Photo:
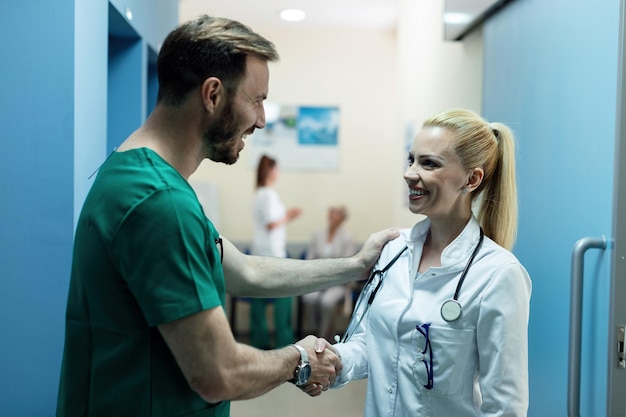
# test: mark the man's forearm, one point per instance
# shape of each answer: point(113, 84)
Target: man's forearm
point(280, 277)
point(260, 371)
point(219, 368)
point(264, 372)
point(255, 276)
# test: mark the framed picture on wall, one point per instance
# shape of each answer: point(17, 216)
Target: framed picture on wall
point(299, 137)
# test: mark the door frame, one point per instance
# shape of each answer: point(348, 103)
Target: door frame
point(616, 386)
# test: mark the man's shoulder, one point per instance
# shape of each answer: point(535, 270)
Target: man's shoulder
point(127, 190)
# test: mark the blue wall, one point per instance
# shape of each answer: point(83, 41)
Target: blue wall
point(37, 188)
point(53, 113)
point(152, 20)
point(90, 81)
point(550, 71)
point(126, 98)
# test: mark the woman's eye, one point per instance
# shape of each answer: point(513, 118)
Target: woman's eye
point(410, 159)
point(428, 163)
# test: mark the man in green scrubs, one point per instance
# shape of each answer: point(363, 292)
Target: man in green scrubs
point(146, 331)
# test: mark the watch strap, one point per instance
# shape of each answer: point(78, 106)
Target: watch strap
point(304, 361)
point(304, 357)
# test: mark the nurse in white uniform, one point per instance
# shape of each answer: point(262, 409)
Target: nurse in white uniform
point(446, 332)
point(270, 218)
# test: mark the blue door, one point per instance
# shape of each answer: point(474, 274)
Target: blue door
point(550, 72)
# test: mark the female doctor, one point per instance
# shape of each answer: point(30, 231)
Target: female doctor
point(445, 333)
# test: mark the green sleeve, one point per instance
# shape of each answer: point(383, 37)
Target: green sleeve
point(167, 256)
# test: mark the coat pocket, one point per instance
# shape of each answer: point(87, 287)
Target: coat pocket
point(453, 353)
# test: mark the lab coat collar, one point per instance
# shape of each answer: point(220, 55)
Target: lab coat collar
point(456, 253)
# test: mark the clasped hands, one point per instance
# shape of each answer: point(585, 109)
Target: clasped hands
point(325, 365)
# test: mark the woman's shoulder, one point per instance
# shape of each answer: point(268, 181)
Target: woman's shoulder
point(495, 249)
point(501, 257)
point(393, 247)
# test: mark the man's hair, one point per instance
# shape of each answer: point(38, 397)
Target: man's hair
point(207, 47)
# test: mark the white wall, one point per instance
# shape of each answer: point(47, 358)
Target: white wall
point(381, 81)
point(432, 75)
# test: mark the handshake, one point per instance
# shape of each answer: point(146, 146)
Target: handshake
point(319, 365)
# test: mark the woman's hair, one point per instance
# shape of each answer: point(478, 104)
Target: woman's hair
point(266, 164)
point(490, 146)
point(207, 47)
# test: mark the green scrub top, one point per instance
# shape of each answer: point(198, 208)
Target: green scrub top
point(144, 254)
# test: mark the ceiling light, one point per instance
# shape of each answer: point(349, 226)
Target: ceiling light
point(457, 18)
point(292, 15)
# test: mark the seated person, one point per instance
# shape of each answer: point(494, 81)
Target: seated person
point(333, 241)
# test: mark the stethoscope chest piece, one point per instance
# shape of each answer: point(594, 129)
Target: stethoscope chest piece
point(451, 310)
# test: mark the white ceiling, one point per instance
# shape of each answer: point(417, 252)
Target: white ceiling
point(372, 14)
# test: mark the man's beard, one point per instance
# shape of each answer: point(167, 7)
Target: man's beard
point(221, 137)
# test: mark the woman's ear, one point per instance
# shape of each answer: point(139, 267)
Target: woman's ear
point(213, 92)
point(475, 179)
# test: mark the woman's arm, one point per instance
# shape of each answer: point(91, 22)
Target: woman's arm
point(353, 354)
point(502, 335)
point(290, 215)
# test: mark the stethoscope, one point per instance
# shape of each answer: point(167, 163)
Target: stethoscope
point(450, 310)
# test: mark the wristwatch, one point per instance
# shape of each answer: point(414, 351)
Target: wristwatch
point(303, 370)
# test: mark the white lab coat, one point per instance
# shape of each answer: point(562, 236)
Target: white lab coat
point(268, 208)
point(480, 361)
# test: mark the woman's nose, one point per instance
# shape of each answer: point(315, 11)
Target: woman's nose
point(411, 173)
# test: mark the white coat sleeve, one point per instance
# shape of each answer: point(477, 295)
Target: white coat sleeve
point(353, 354)
point(502, 334)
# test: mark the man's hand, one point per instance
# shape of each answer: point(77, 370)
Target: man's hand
point(325, 364)
point(372, 247)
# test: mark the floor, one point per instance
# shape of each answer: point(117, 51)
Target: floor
point(287, 400)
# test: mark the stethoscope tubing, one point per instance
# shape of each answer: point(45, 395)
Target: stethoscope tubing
point(452, 309)
point(370, 300)
point(467, 266)
point(353, 326)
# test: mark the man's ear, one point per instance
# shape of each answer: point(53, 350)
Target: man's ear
point(475, 179)
point(213, 92)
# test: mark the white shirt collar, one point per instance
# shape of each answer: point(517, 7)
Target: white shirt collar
point(453, 255)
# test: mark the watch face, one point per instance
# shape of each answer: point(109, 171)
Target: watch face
point(304, 374)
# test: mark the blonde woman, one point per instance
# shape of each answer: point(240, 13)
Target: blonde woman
point(446, 332)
